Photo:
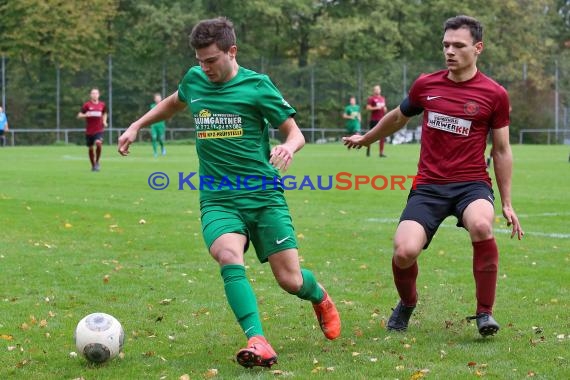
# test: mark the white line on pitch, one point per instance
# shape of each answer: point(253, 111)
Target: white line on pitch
point(553, 235)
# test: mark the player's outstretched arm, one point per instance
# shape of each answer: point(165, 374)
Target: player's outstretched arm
point(390, 123)
point(503, 165)
point(281, 155)
point(164, 110)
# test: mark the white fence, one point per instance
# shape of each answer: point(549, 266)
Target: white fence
point(42, 136)
point(318, 135)
point(545, 136)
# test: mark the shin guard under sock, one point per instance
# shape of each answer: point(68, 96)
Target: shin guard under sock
point(241, 299)
point(405, 281)
point(485, 267)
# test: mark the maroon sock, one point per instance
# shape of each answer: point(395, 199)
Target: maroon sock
point(92, 157)
point(98, 153)
point(405, 281)
point(381, 146)
point(485, 266)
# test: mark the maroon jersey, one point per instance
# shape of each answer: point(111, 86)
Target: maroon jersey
point(94, 120)
point(457, 119)
point(377, 101)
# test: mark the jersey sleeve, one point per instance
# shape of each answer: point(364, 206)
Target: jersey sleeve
point(501, 116)
point(184, 86)
point(274, 108)
point(408, 109)
point(411, 105)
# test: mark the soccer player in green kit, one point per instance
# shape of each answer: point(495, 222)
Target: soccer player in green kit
point(157, 130)
point(243, 200)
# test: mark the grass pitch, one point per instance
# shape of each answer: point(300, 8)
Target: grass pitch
point(73, 242)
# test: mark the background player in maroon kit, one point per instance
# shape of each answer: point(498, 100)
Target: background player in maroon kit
point(376, 104)
point(460, 105)
point(95, 114)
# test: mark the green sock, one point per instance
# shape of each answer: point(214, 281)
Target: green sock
point(154, 146)
point(310, 290)
point(242, 299)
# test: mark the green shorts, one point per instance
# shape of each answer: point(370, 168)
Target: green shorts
point(263, 217)
point(157, 132)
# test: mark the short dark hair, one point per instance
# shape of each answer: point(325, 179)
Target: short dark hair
point(467, 22)
point(218, 30)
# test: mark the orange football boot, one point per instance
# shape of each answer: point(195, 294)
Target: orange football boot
point(257, 353)
point(328, 317)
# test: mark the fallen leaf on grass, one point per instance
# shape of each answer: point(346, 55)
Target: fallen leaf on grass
point(184, 377)
point(22, 363)
point(419, 374)
point(320, 369)
point(534, 342)
point(278, 372)
point(6, 337)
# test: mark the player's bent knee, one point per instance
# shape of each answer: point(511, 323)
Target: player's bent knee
point(227, 257)
point(481, 230)
point(290, 285)
point(405, 254)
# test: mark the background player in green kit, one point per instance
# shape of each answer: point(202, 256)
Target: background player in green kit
point(157, 130)
point(243, 200)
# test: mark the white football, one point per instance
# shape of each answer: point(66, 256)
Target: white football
point(99, 337)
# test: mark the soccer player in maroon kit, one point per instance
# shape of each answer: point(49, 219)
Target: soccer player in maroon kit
point(460, 105)
point(94, 112)
point(377, 105)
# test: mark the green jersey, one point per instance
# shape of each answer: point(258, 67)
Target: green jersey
point(158, 124)
point(352, 125)
point(232, 121)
